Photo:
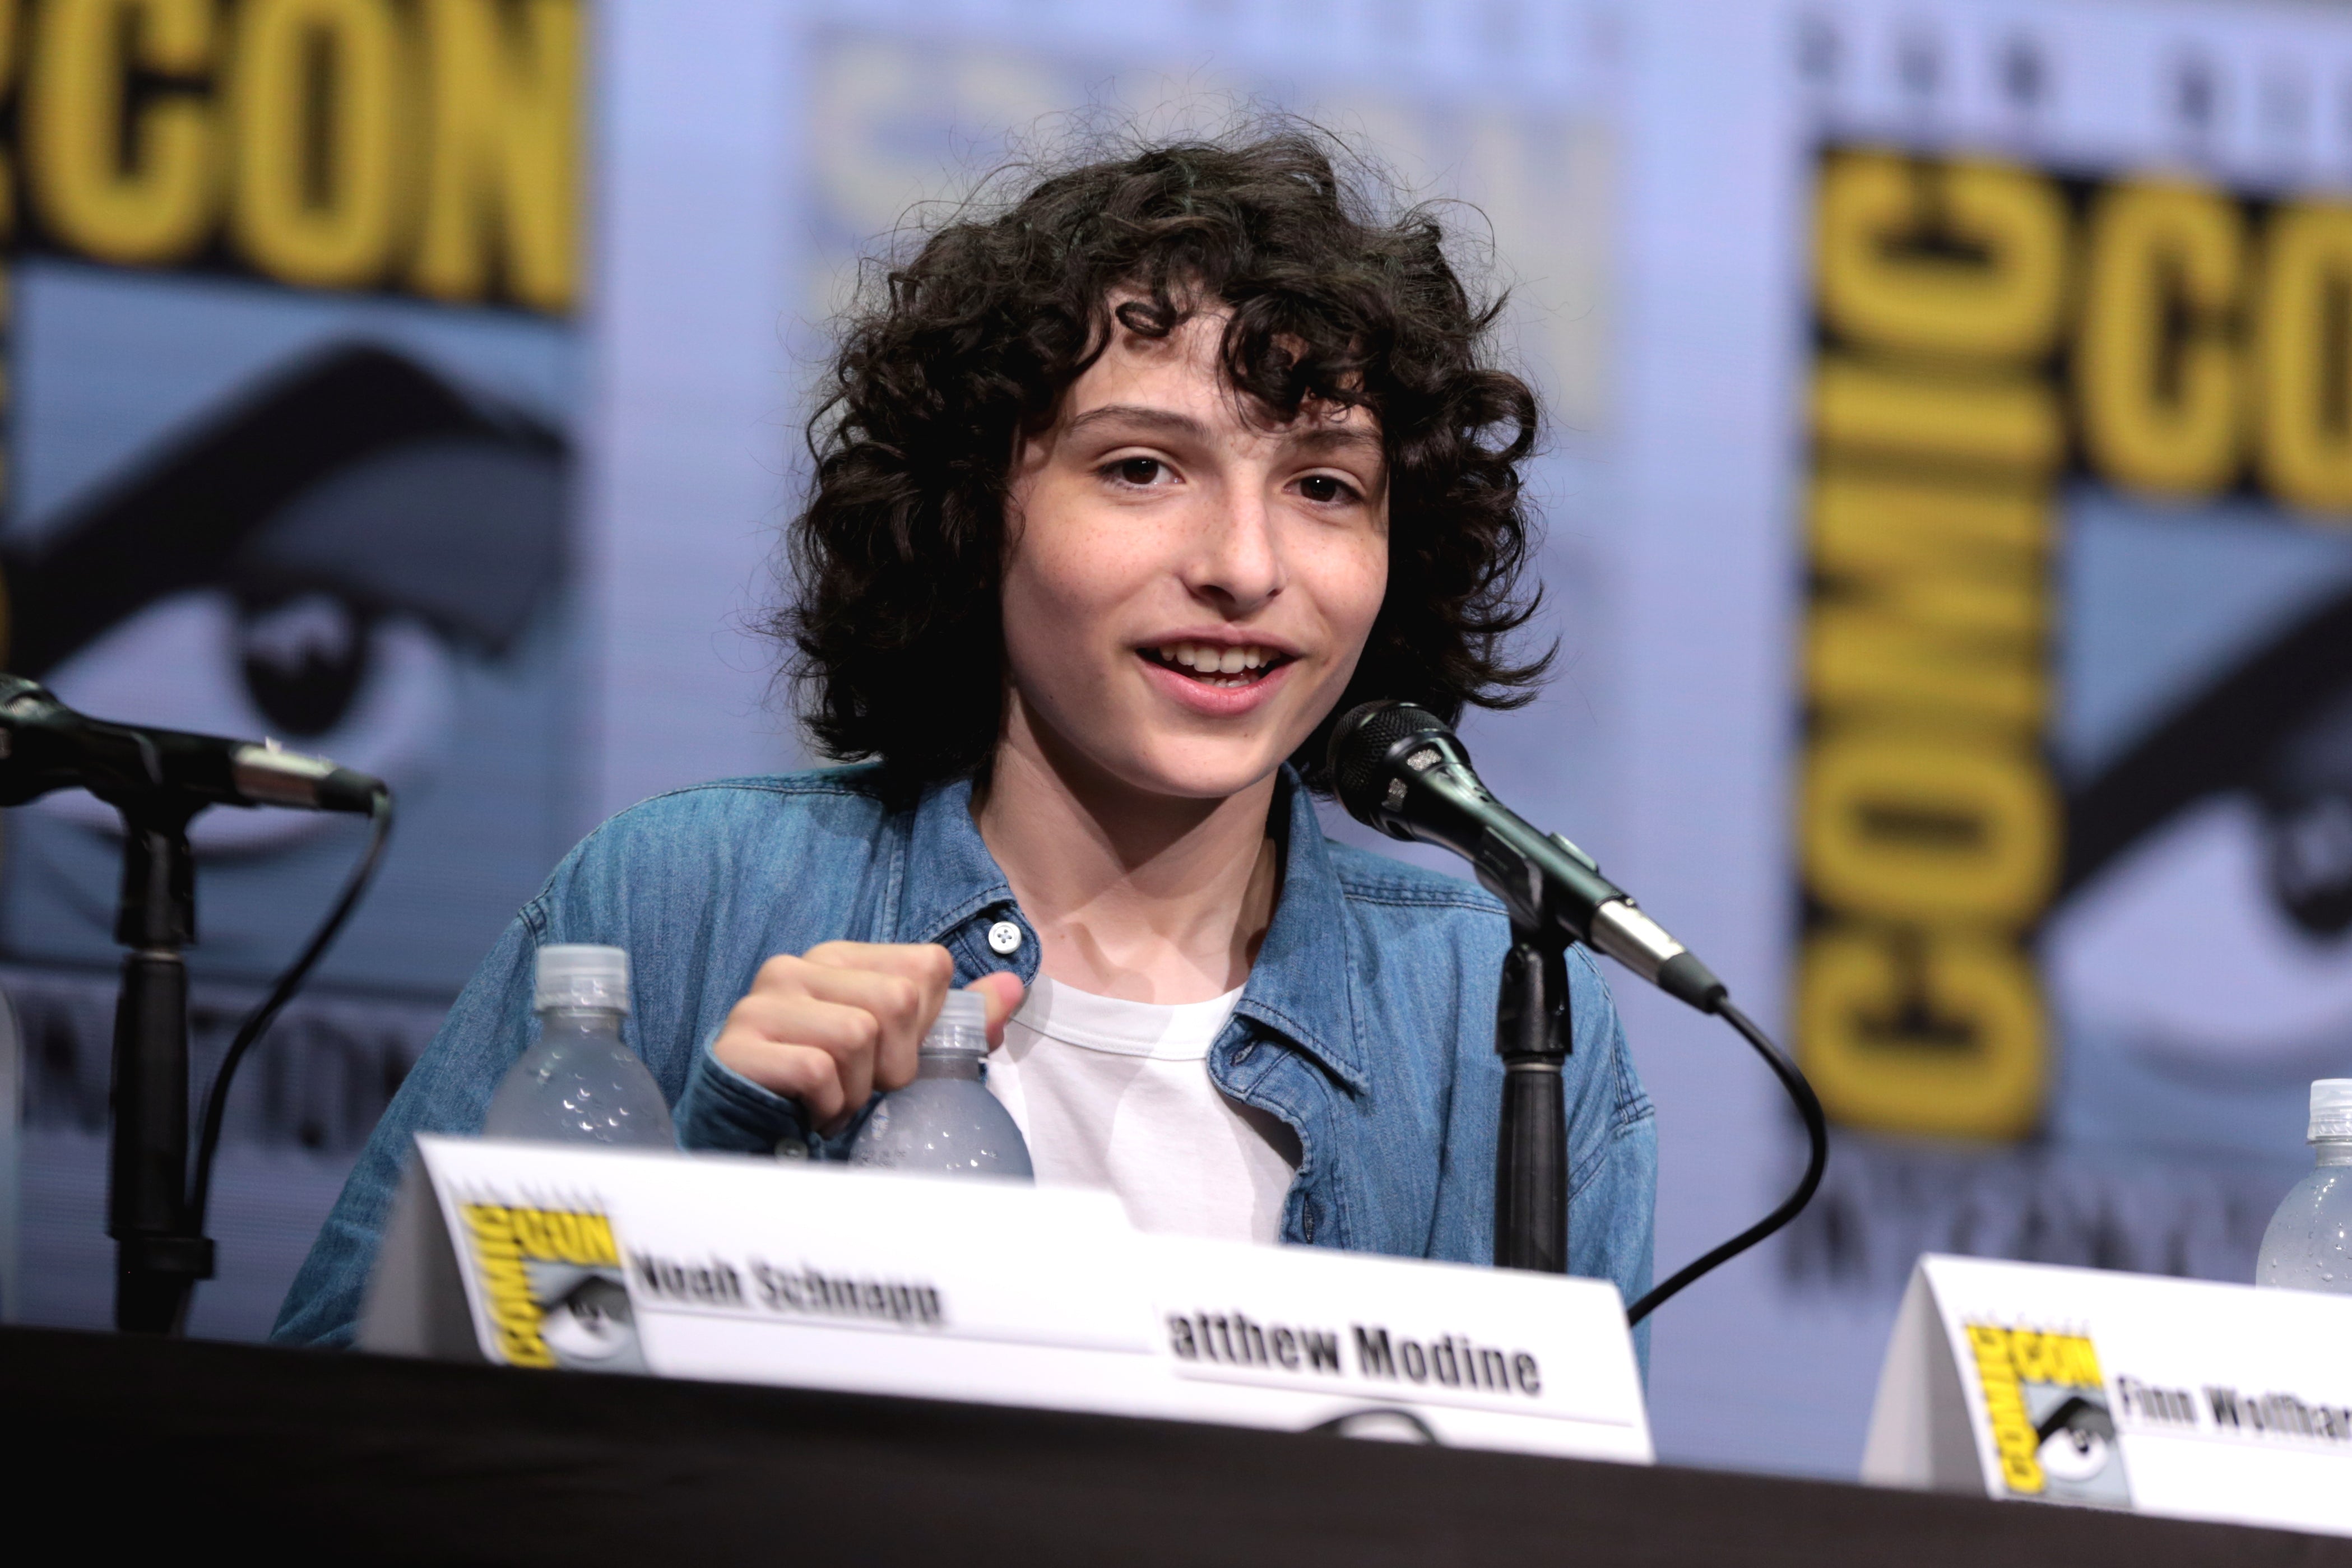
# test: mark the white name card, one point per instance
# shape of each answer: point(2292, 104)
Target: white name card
point(823, 1277)
point(2169, 1396)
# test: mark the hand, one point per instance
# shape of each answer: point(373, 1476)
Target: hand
point(845, 1018)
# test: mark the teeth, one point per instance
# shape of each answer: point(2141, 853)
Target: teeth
point(1204, 660)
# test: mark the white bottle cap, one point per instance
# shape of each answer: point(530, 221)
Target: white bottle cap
point(962, 1010)
point(2331, 1109)
point(575, 975)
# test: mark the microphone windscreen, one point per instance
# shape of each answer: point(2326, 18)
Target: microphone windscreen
point(1362, 743)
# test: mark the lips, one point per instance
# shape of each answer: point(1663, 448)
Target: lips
point(1216, 681)
point(1217, 665)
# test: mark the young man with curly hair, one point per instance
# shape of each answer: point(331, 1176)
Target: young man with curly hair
point(1122, 494)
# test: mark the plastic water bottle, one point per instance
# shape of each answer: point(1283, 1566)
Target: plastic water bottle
point(946, 1121)
point(2309, 1244)
point(579, 1084)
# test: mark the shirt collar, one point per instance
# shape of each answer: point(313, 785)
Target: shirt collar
point(1302, 984)
point(950, 876)
point(1299, 986)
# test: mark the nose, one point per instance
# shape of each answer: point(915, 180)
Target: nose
point(1237, 565)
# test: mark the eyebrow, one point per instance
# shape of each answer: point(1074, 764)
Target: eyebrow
point(1340, 435)
point(1175, 424)
point(1166, 419)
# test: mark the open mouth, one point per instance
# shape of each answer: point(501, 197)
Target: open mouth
point(1219, 666)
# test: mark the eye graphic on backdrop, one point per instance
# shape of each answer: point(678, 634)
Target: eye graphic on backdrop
point(303, 660)
point(2307, 803)
point(380, 702)
point(317, 564)
point(2310, 862)
point(2207, 911)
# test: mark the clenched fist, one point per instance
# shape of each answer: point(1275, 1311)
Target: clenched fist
point(843, 1019)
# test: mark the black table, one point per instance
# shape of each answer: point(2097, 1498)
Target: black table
point(140, 1444)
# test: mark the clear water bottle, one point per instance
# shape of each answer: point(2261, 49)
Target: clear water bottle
point(946, 1121)
point(579, 1084)
point(2309, 1244)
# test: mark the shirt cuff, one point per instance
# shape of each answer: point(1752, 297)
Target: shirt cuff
point(723, 1111)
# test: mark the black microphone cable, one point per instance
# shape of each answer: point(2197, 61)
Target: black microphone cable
point(280, 993)
point(1817, 1134)
point(1402, 770)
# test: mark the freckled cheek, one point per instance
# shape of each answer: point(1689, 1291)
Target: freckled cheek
point(1352, 580)
point(1062, 598)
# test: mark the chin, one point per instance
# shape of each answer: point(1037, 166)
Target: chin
point(1197, 773)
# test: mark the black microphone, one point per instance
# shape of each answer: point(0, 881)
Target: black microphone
point(46, 745)
point(1400, 769)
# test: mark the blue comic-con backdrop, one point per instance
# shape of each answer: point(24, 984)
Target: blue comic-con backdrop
point(2073, 803)
point(289, 411)
point(2063, 525)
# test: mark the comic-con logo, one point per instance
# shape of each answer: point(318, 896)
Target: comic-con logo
point(2046, 1402)
point(554, 1287)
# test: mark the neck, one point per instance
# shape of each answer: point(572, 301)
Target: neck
point(1143, 897)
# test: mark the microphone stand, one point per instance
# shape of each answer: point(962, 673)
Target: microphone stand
point(160, 1248)
point(1532, 1036)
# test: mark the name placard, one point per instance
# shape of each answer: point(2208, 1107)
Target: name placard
point(750, 1270)
point(2169, 1397)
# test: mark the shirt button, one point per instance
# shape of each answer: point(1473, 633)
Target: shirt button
point(1005, 939)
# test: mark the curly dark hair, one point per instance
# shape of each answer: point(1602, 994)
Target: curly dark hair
point(971, 342)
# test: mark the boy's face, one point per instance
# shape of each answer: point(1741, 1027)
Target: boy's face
point(1187, 590)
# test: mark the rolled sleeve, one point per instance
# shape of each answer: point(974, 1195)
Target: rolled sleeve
point(722, 1110)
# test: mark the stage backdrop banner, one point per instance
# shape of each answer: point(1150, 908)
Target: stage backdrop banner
point(1987, 448)
point(289, 406)
point(2073, 803)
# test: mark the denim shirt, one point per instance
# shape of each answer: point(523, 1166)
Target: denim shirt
point(1366, 1023)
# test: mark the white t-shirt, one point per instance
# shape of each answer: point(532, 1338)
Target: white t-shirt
point(1118, 1095)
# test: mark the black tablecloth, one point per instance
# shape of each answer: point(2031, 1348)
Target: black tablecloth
point(142, 1443)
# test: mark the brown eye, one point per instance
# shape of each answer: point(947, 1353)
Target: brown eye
point(1139, 470)
point(1322, 488)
